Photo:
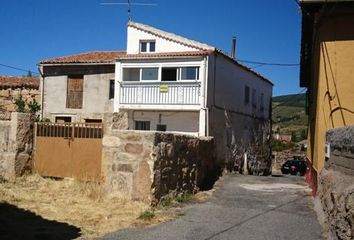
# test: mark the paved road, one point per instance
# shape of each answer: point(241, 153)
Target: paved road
point(242, 207)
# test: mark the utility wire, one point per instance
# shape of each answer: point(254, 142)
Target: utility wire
point(270, 64)
point(19, 69)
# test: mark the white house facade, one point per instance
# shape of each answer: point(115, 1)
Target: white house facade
point(166, 82)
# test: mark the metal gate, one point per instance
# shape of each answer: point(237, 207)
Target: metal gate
point(69, 150)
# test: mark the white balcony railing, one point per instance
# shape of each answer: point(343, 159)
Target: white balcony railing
point(170, 93)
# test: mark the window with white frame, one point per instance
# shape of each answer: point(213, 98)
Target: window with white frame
point(169, 74)
point(149, 74)
point(147, 46)
point(189, 73)
point(131, 74)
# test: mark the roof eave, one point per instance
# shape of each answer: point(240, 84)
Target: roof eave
point(244, 67)
point(76, 64)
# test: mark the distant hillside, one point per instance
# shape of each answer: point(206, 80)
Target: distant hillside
point(289, 113)
point(293, 100)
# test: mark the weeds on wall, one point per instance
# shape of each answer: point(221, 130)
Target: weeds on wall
point(32, 106)
point(20, 104)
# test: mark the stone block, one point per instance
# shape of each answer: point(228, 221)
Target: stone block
point(135, 148)
point(130, 136)
point(120, 121)
point(22, 164)
point(124, 157)
point(142, 182)
point(110, 141)
point(4, 93)
point(120, 183)
point(125, 167)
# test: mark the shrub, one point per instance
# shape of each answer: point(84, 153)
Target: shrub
point(34, 106)
point(20, 104)
point(147, 215)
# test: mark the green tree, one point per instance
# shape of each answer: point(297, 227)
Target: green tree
point(303, 134)
point(293, 137)
point(29, 74)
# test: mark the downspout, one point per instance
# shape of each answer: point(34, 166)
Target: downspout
point(42, 90)
point(206, 64)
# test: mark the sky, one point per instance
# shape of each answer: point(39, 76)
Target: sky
point(266, 30)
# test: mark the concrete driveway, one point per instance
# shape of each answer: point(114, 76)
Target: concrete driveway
point(242, 207)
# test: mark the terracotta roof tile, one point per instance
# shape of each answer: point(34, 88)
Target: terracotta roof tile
point(89, 57)
point(17, 82)
point(164, 55)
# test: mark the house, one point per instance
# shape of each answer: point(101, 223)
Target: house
point(12, 88)
point(327, 61)
point(327, 50)
point(166, 82)
point(78, 88)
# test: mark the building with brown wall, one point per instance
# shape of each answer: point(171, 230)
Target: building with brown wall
point(327, 63)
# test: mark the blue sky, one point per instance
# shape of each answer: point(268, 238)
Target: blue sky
point(266, 31)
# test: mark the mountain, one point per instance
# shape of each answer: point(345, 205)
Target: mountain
point(289, 114)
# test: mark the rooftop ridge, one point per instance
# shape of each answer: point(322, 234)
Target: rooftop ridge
point(170, 36)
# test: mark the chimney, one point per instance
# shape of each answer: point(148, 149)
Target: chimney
point(233, 47)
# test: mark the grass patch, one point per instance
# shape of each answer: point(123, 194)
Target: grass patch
point(147, 215)
point(81, 204)
point(185, 197)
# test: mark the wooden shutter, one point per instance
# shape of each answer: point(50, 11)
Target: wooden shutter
point(75, 91)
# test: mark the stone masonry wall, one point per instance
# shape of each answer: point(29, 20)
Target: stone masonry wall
point(182, 164)
point(148, 165)
point(16, 145)
point(336, 184)
point(8, 96)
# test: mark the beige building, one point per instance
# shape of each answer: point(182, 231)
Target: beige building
point(327, 63)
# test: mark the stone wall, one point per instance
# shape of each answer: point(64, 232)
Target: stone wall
point(148, 165)
point(16, 145)
point(8, 96)
point(336, 184)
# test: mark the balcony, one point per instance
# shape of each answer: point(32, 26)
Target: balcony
point(160, 93)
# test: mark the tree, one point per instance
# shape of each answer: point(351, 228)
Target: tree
point(29, 74)
point(293, 137)
point(303, 134)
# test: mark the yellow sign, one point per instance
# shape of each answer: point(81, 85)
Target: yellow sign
point(163, 88)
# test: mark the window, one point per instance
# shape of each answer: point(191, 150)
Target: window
point(149, 74)
point(189, 73)
point(147, 46)
point(88, 120)
point(161, 127)
point(74, 94)
point(169, 74)
point(152, 46)
point(262, 103)
point(111, 89)
point(62, 119)
point(247, 95)
point(254, 100)
point(131, 74)
point(142, 125)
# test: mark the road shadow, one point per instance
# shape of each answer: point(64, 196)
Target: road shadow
point(17, 223)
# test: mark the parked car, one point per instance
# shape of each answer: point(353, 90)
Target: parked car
point(294, 167)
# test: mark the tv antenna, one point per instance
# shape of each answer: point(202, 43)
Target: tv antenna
point(129, 4)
